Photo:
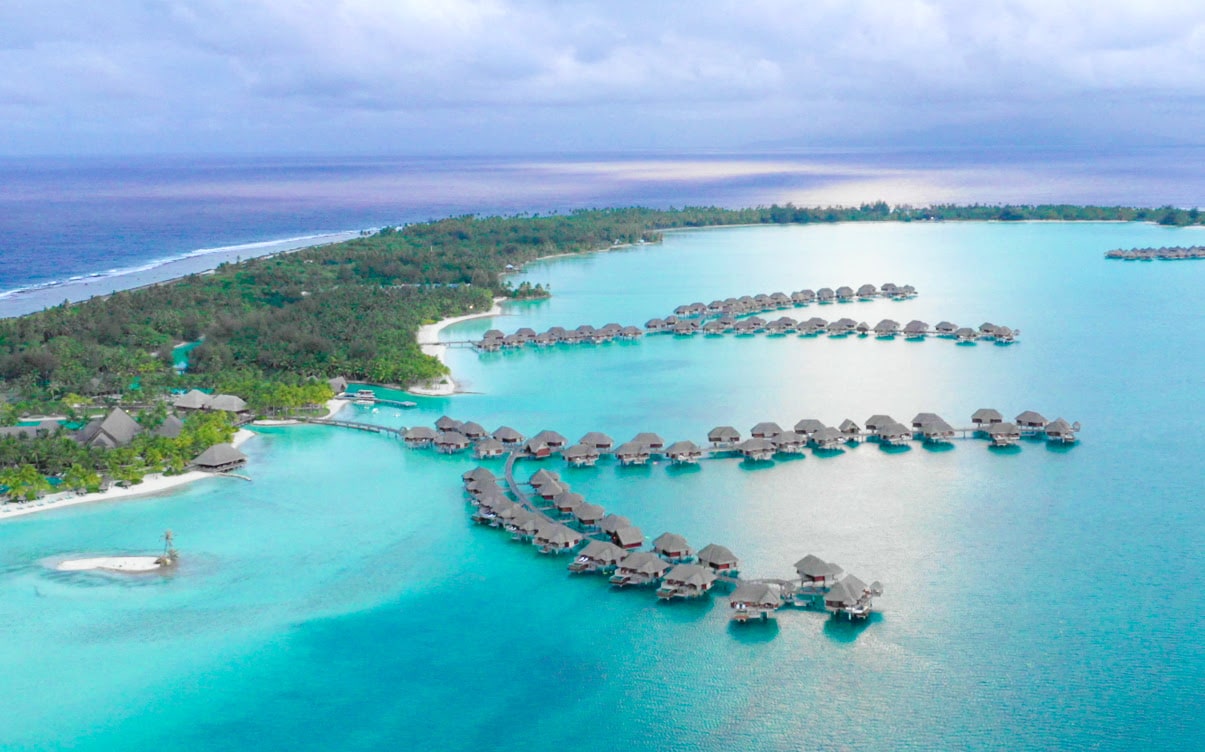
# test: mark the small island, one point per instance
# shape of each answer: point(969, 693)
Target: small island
point(126, 564)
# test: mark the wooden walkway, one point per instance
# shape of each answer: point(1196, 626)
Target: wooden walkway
point(370, 427)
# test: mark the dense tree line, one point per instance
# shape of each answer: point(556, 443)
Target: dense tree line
point(352, 308)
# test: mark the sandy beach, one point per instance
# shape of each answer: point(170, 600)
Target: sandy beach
point(428, 339)
point(333, 406)
point(131, 564)
point(151, 485)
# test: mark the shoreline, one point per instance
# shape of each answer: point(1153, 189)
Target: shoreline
point(429, 334)
point(155, 483)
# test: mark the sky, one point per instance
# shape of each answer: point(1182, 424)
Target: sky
point(530, 76)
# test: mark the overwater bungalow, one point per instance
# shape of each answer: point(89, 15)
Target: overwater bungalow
point(723, 437)
point(1004, 434)
point(715, 327)
point(632, 453)
point(826, 295)
point(629, 537)
point(888, 289)
point(655, 325)
point(686, 328)
point(610, 330)
point(672, 547)
point(850, 430)
point(806, 296)
point(850, 597)
point(508, 436)
point(781, 325)
point(630, 332)
point(489, 448)
point(220, 458)
point(886, 328)
point(781, 299)
point(1004, 335)
point(524, 526)
point(684, 453)
point(556, 538)
point(758, 450)
point(474, 431)
point(844, 293)
point(867, 291)
point(537, 449)
point(965, 334)
point(718, 559)
point(986, 416)
point(746, 328)
point(754, 600)
point(581, 455)
point(488, 345)
point(612, 522)
point(682, 310)
point(764, 302)
point(828, 438)
point(585, 331)
point(715, 307)
point(905, 291)
point(841, 327)
point(552, 439)
point(765, 430)
point(808, 426)
point(493, 334)
point(790, 442)
point(542, 477)
point(862, 328)
point(505, 516)
point(451, 442)
point(686, 581)
point(875, 422)
point(513, 341)
point(567, 501)
point(598, 556)
point(588, 515)
point(945, 329)
point(916, 329)
point(987, 330)
point(651, 440)
point(419, 436)
point(894, 434)
point(552, 489)
point(525, 334)
point(544, 339)
point(479, 474)
point(639, 568)
point(816, 572)
point(932, 427)
point(1031, 420)
point(1062, 432)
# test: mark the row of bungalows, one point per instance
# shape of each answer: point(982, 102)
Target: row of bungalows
point(763, 302)
point(495, 339)
point(195, 399)
point(451, 436)
point(1030, 422)
point(1171, 253)
point(987, 331)
point(826, 585)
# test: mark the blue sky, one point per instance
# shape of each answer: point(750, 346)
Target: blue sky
point(505, 76)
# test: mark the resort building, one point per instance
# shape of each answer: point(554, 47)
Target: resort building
point(556, 538)
point(815, 572)
point(1004, 434)
point(672, 547)
point(508, 436)
point(986, 416)
point(628, 537)
point(451, 442)
point(1060, 431)
point(117, 429)
point(598, 556)
point(754, 600)
point(632, 453)
point(488, 449)
point(718, 559)
point(419, 436)
point(639, 568)
point(723, 437)
point(1031, 420)
point(684, 453)
point(598, 441)
point(581, 455)
point(220, 458)
point(686, 581)
point(765, 430)
point(758, 450)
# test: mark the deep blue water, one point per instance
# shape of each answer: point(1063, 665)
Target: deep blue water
point(1039, 598)
point(70, 229)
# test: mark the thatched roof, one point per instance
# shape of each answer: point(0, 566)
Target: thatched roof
point(116, 429)
point(814, 567)
point(724, 433)
point(170, 428)
point(672, 544)
point(613, 522)
point(716, 555)
point(220, 455)
point(986, 415)
point(758, 594)
point(643, 562)
point(604, 552)
point(192, 400)
point(227, 403)
point(690, 574)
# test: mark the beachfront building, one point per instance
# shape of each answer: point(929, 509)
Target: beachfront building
point(754, 600)
point(684, 453)
point(723, 437)
point(639, 568)
point(117, 429)
point(598, 556)
point(718, 559)
point(227, 403)
point(686, 581)
point(220, 458)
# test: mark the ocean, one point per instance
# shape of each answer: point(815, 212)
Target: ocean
point(74, 228)
point(1036, 598)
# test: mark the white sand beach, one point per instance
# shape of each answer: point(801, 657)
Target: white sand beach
point(131, 564)
point(428, 339)
point(151, 485)
point(333, 406)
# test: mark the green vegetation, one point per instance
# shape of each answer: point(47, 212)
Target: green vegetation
point(28, 462)
point(274, 329)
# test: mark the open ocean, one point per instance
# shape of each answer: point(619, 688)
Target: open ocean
point(1039, 598)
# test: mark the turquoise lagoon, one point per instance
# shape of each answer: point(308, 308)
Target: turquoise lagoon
point(1036, 598)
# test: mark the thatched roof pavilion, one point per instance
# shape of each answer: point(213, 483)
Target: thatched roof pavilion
point(875, 422)
point(758, 599)
point(757, 449)
point(828, 438)
point(946, 327)
point(551, 438)
point(220, 458)
point(632, 453)
point(450, 442)
point(916, 328)
point(480, 474)
point(567, 501)
point(1062, 431)
point(639, 568)
point(581, 455)
point(474, 431)
point(587, 514)
point(597, 556)
point(1004, 434)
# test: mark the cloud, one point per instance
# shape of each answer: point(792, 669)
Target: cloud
point(515, 73)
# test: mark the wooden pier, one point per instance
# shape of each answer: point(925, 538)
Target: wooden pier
point(369, 427)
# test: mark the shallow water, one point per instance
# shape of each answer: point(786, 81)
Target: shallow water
point(1035, 598)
